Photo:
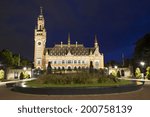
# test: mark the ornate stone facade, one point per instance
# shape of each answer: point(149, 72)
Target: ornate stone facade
point(64, 56)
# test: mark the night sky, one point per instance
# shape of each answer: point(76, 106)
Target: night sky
point(117, 23)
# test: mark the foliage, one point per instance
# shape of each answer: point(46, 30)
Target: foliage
point(25, 62)
point(24, 75)
point(7, 57)
point(12, 60)
point(76, 78)
point(1, 74)
point(16, 60)
point(113, 73)
point(148, 73)
point(118, 74)
point(84, 79)
point(21, 75)
point(142, 49)
point(49, 68)
point(138, 73)
point(91, 67)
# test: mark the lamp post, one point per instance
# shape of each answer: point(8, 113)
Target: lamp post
point(142, 65)
point(25, 68)
point(116, 67)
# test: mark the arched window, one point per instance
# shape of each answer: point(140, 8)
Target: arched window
point(69, 68)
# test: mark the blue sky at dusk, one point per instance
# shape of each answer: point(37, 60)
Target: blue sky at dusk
point(117, 23)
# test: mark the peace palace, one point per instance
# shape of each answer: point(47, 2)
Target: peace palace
point(64, 56)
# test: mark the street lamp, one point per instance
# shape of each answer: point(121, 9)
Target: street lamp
point(142, 64)
point(25, 68)
point(115, 66)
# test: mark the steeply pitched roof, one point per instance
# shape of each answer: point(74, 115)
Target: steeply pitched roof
point(64, 49)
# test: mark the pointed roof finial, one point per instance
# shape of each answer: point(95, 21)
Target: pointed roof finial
point(96, 42)
point(95, 38)
point(76, 43)
point(69, 39)
point(61, 44)
point(41, 10)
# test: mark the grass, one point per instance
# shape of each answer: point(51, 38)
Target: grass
point(76, 80)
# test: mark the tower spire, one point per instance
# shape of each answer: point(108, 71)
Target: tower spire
point(68, 39)
point(41, 10)
point(96, 42)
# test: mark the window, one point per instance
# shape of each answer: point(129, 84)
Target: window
point(83, 62)
point(55, 62)
point(69, 61)
point(39, 62)
point(63, 62)
point(75, 61)
point(79, 61)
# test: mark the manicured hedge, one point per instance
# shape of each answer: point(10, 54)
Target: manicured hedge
point(76, 78)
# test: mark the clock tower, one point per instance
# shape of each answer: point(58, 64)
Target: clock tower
point(39, 41)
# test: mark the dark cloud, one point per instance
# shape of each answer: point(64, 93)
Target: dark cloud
point(118, 24)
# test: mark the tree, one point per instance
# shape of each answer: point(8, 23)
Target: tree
point(16, 60)
point(7, 57)
point(49, 68)
point(142, 49)
point(91, 67)
point(25, 62)
point(118, 74)
point(12, 60)
point(148, 73)
point(111, 63)
point(21, 75)
point(138, 73)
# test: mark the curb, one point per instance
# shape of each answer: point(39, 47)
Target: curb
point(78, 90)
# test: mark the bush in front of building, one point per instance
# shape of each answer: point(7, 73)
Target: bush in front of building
point(118, 74)
point(76, 78)
point(108, 79)
point(148, 73)
point(138, 73)
point(1, 74)
point(82, 78)
point(24, 75)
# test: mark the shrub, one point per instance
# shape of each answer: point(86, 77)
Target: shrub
point(103, 79)
point(108, 79)
point(148, 73)
point(1, 74)
point(113, 78)
point(76, 78)
point(138, 73)
point(21, 75)
point(118, 74)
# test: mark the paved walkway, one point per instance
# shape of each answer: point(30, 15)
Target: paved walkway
point(15, 81)
point(147, 82)
point(142, 94)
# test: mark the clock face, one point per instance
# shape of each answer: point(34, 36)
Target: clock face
point(39, 43)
